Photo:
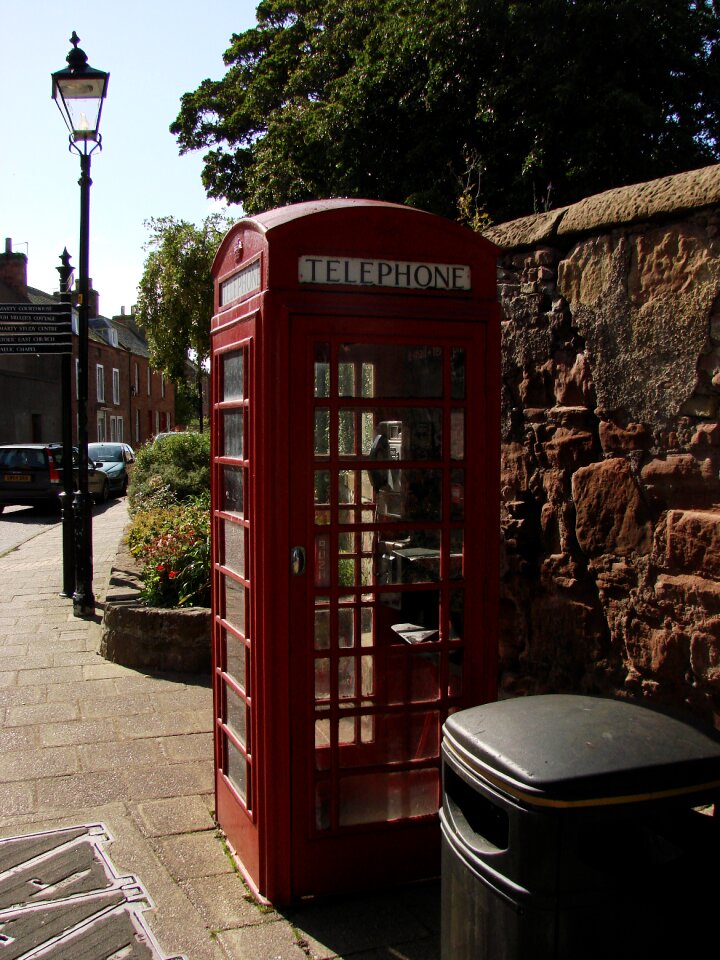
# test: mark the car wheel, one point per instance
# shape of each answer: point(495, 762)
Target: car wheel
point(2, 507)
point(104, 494)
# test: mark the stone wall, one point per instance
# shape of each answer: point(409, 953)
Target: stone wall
point(611, 445)
point(151, 638)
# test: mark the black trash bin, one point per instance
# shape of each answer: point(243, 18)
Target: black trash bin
point(577, 828)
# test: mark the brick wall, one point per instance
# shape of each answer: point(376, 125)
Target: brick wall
point(136, 407)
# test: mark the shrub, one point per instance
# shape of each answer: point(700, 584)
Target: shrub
point(173, 545)
point(174, 470)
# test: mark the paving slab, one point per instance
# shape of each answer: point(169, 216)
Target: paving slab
point(111, 756)
point(348, 924)
point(16, 738)
point(162, 818)
point(274, 939)
point(225, 902)
point(21, 695)
point(39, 714)
point(39, 763)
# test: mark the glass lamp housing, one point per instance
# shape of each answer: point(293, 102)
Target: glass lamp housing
point(79, 91)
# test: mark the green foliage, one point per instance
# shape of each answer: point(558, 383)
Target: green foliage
point(346, 573)
point(177, 468)
point(482, 109)
point(175, 296)
point(173, 545)
point(186, 404)
point(169, 498)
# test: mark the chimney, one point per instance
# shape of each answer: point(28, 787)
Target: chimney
point(13, 270)
point(93, 299)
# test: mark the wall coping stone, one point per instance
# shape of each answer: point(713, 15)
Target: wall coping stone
point(640, 202)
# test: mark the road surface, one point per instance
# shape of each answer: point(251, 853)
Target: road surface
point(19, 524)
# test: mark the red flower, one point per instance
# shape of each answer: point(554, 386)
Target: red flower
point(160, 567)
point(172, 574)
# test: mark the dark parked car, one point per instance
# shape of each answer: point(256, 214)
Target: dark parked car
point(31, 475)
point(116, 459)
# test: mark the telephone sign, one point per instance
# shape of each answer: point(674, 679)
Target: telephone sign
point(384, 273)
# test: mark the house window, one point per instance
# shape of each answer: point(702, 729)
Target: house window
point(157, 421)
point(167, 423)
point(100, 370)
point(116, 385)
point(101, 435)
point(162, 385)
point(137, 424)
point(117, 429)
point(137, 380)
point(77, 379)
point(149, 379)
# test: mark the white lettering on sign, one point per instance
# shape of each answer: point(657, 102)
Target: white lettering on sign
point(384, 273)
point(240, 284)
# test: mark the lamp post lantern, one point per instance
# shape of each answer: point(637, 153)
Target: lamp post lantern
point(79, 91)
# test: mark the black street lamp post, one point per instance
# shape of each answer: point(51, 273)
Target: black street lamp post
point(66, 497)
point(79, 91)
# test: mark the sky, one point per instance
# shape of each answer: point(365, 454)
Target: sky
point(154, 50)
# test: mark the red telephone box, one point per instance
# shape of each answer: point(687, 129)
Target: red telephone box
point(355, 372)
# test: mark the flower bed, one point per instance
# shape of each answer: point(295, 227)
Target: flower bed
point(172, 546)
point(157, 615)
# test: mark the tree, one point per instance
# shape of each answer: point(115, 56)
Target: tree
point(492, 108)
point(175, 295)
point(187, 401)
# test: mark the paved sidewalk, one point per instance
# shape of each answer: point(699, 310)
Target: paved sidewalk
point(88, 743)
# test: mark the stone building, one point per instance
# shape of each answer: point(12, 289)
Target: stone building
point(127, 399)
point(611, 445)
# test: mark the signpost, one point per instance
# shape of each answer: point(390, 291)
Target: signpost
point(35, 328)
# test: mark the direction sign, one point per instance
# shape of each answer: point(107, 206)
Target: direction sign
point(62, 340)
point(35, 312)
point(19, 348)
point(35, 328)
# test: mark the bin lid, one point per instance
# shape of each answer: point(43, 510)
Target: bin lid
point(571, 750)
